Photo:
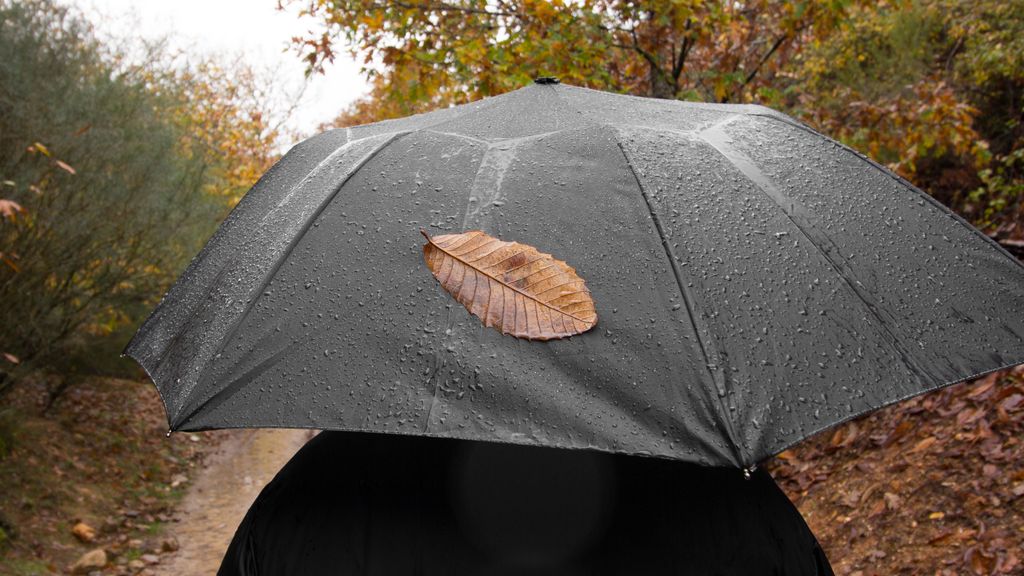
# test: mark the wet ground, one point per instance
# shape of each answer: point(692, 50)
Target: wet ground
point(221, 493)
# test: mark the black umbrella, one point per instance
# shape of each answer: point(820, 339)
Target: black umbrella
point(755, 283)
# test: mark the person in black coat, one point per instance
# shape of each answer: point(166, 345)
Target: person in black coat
point(372, 505)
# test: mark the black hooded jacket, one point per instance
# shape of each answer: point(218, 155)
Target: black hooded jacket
point(353, 504)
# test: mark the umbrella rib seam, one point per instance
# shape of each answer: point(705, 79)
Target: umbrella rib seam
point(900, 180)
point(236, 324)
point(137, 340)
point(476, 214)
point(806, 225)
point(717, 377)
point(208, 248)
point(222, 231)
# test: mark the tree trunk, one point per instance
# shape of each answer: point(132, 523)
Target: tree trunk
point(660, 85)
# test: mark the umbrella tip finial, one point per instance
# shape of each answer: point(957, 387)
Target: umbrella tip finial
point(169, 431)
point(748, 470)
point(546, 80)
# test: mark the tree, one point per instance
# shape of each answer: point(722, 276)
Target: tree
point(232, 117)
point(934, 89)
point(422, 55)
point(114, 172)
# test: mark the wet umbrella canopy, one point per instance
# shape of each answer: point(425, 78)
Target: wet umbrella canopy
point(755, 282)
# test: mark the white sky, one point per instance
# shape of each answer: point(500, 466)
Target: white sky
point(254, 29)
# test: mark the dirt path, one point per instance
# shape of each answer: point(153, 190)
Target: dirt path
point(220, 495)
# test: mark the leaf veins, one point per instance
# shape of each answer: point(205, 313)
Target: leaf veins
point(511, 287)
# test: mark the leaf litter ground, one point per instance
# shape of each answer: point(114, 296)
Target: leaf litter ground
point(930, 486)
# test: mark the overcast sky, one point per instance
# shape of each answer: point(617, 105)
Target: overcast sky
point(253, 28)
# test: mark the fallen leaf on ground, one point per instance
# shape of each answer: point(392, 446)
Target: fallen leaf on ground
point(84, 532)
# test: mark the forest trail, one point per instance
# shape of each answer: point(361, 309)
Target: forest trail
point(221, 493)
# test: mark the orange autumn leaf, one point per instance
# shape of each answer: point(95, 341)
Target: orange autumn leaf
point(511, 287)
point(10, 209)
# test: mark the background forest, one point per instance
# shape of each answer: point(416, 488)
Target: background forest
point(119, 158)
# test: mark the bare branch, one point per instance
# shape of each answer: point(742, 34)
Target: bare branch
point(684, 51)
point(753, 73)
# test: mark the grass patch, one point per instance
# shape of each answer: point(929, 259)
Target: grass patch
point(22, 567)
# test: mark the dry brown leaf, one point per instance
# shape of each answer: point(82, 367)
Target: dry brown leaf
point(10, 261)
point(84, 532)
point(786, 455)
point(844, 435)
point(511, 286)
point(923, 445)
point(877, 508)
point(899, 432)
point(1012, 403)
point(983, 385)
point(980, 562)
point(10, 209)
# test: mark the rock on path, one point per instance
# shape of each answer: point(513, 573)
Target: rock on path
point(220, 495)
